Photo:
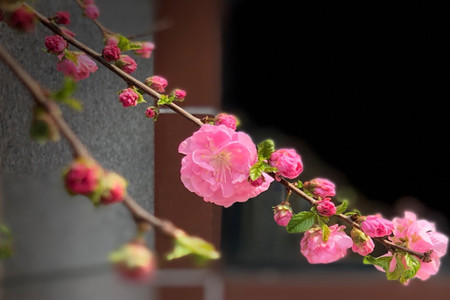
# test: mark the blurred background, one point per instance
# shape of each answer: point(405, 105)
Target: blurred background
point(356, 87)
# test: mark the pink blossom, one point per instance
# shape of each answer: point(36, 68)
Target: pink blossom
point(217, 165)
point(150, 112)
point(317, 251)
point(55, 43)
point(135, 262)
point(111, 52)
point(88, 2)
point(228, 120)
point(362, 243)
point(62, 17)
point(421, 236)
point(91, 11)
point(320, 187)
point(113, 188)
point(146, 50)
point(282, 214)
point(111, 40)
point(128, 97)
point(126, 64)
point(79, 70)
point(82, 177)
point(179, 94)
point(325, 207)
point(157, 83)
point(22, 19)
point(376, 226)
point(288, 163)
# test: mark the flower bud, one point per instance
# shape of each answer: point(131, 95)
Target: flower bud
point(157, 83)
point(134, 261)
point(111, 52)
point(55, 44)
point(325, 207)
point(126, 64)
point(128, 97)
point(179, 94)
point(228, 120)
point(376, 226)
point(362, 244)
point(288, 163)
point(320, 187)
point(22, 19)
point(282, 214)
point(146, 50)
point(113, 188)
point(111, 40)
point(151, 112)
point(91, 11)
point(257, 182)
point(62, 17)
point(82, 176)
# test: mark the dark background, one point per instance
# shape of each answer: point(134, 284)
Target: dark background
point(365, 83)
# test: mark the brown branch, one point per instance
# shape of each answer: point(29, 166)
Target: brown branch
point(138, 213)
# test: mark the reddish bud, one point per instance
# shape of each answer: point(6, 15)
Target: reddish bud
point(113, 188)
point(22, 19)
point(111, 52)
point(128, 97)
point(91, 11)
point(55, 44)
point(282, 214)
point(83, 177)
point(62, 17)
point(126, 64)
point(179, 94)
point(151, 112)
point(325, 207)
point(228, 120)
point(157, 83)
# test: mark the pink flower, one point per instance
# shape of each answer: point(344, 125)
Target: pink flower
point(157, 83)
point(22, 19)
point(128, 97)
point(217, 165)
point(317, 251)
point(421, 236)
point(79, 70)
point(82, 177)
point(228, 120)
point(88, 2)
point(320, 187)
point(288, 163)
point(55, 43)
point(91, 11)
point(376, 226)
point(362, 243)
point(62, 17)
point(111, 40)
point(111, 52)
point(146, 50)
point(126, 64)
point(135, 262)
point(150, 112)
point(179, 94)
point(113, 188)
point(325, 207)
point(282, 214)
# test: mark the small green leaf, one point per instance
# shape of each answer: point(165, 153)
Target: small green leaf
point(6, 240)
point(382, 262)
point(413, 265)
point(256, 170)
point(325, 229)
point(125, 44)
point(185, 245)
point(342, 207)
point(165, 100)
point(73, 103)
point(265, 149)
point(67, 89)
point(43, 128)
point(299, 184)
point(140, 97)
point(301, 222)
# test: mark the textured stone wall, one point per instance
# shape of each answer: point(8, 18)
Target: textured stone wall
point(61, 241)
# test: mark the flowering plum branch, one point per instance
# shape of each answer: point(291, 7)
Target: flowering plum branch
point(223, 166)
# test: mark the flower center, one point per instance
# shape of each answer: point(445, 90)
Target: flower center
point(222, 164)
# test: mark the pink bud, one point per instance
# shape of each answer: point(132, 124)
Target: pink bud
point(113, 188)
point(82, 177)
point(320, 187)
point(135, 262)
point(282, 214)
point(362, 244)
point(22, 19)
point(62, 17)
point(67, 32)
point(325, 207)
point(111, 52)
point(157, 83)
point(288, 163)
point(91, 11)
point(88, 2)
point(111, 40)
point(150, 112)
point(146, 50)
point(228, 120)
point(55, 44)
point(376, 226)
point(81, 70)
point(126, 64)
point(179, 94)
point(128, 97)
point(257, 182)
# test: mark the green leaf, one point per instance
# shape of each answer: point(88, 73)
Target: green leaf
point(73, 103)
point(256, 170)
point(64, 94)
point(6, 240)
point(413, 265)
point(43, 128)
point(140, 98)
point(301, 222)
point(382, 262)
point(125, 44)
point(299, 184)
point(325, 229)
point(398, 272)
point(342, 207)
point(165, 100)
point(186, 245)
point(265, 149)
